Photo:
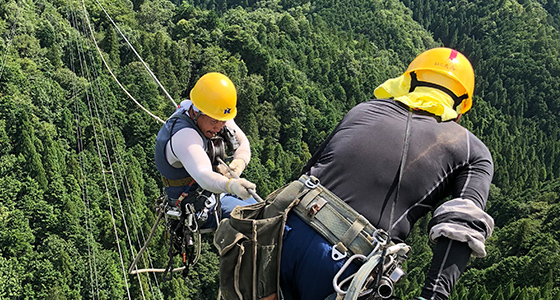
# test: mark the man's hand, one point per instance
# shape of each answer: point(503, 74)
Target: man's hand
point(240, 186)
point(237, 165)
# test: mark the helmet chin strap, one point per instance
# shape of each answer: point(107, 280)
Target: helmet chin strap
point(193, 109)
point(414, 82)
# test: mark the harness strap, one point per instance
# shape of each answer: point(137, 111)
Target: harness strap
point(352, 232)
point(310, 196)
point(177, 182)
point(334, 219)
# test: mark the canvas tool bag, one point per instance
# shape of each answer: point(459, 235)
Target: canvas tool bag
point(250, 241)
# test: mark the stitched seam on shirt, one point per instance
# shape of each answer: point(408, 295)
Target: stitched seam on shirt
point(441, 269)
point(469, 168)
point(427, 194)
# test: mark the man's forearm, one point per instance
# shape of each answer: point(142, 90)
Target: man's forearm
point(449, 262)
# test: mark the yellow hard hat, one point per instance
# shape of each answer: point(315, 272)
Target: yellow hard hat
point(447, 68)
point(214, 94)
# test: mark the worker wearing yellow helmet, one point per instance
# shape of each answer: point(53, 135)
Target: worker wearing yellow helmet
point(439, 81)
point(184, 144)
point(393, 160)
point(215, 95)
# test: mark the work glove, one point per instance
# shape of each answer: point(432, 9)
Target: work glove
point(240, 186)
point(237, 165)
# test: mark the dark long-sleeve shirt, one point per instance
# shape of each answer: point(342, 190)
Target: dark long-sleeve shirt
point(360, 162)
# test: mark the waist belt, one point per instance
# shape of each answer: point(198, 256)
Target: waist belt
point(348, 231)
point(176, 182)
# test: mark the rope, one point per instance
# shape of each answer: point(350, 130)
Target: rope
point(10, 41)
point(111, 72)
point(137, 55)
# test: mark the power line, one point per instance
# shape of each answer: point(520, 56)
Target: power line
point(137, 55)
point(86, 74)
point(12, 32)
point(111, 72)
point(79, 140)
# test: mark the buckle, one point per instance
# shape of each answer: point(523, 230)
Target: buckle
point(381, 237)
point(316, 207)
point(336, 254)
point(311, 182)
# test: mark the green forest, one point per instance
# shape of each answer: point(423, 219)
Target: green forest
point(78, 184)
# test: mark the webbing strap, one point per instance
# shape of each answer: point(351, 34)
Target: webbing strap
point(176, 182)
point(352, 232)
point(309, 197)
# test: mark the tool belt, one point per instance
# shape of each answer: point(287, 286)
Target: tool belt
point(176, 182)
point(348, 231)
point(250, 241)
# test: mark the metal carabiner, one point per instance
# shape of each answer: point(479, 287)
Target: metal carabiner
point(336, 254)
point(311, 182)
point(336, 285)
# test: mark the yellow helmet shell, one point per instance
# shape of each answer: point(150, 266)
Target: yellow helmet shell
point(215, 95)
point(458, 71)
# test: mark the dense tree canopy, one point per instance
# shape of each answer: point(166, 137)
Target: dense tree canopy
point(77, 178)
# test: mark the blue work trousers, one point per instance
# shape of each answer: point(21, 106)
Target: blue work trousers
point(307, 268)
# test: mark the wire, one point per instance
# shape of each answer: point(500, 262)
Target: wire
point(111, 72)
point(137, 55)
point(108, 124)
point(10, 40)
point(86, 74)
point(79, 140)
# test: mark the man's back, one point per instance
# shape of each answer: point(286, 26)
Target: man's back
point(360, 164)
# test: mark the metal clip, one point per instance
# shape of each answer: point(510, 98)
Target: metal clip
point(203, 215)
point(174, 213)
point(209, 202)
point(311, 182)
point(337, 255)
point(316, 207)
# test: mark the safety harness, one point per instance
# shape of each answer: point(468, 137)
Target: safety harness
point(250, 241)
point(185, 215)
point(382, 267)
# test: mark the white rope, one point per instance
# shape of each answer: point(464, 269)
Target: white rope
point(137, 55)
point(9, 41)
point(111, 72)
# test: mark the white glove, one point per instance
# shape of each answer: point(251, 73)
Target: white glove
point(237, 165)
point(240, 186)
point(223, 170)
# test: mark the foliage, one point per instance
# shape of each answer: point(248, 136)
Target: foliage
point(77, 175)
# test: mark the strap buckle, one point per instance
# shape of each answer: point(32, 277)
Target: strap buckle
point(311, 182)
point(337, 254)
